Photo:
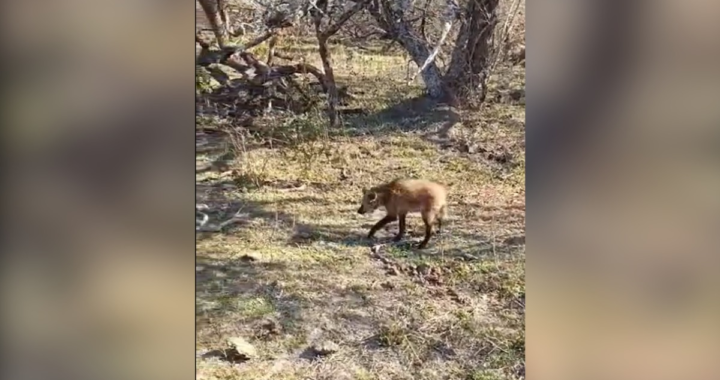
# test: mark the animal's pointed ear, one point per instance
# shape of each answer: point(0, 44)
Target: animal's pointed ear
point(364, 190)
point(372, 196)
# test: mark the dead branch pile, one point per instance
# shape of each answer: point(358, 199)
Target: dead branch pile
point(249, 87)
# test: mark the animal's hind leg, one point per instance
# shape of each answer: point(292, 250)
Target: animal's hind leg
point(428, 219)
point(401, 230)
point(440, 217)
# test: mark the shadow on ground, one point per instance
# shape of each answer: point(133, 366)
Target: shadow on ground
point(249, 213)
point(418, 114)
point(219, 282)
point(464, 241)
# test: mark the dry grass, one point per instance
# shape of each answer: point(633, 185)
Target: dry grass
point(297, 268)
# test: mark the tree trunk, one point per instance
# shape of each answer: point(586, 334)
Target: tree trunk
point(468, 70)
point(222, 7)
point(419, 53)
point(216, 16)
point(390, 16)
point(332, 91)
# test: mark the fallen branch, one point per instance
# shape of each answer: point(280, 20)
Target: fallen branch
point(205, 227)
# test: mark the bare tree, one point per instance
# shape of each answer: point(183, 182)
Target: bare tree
point(463, 81)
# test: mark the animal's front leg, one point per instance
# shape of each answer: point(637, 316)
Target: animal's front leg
point(401, 230)
point(380, 224)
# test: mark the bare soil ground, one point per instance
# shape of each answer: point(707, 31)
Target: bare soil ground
point(296, 269)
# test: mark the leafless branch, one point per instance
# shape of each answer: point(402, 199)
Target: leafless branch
point(332, 29)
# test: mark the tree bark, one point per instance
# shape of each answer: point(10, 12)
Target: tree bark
point(390, 16)
point(419, 53)
point(463, 84)
point(216, 16)
point(468, 70)
point(323, 35)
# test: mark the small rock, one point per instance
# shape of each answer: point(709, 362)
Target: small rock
point(220, 166)
point(423, 269)
point(515, 240)
point(277, 284)
point(512, 96)
point(325, 347)
point(433, 279)
point(220, 274)
point(240, 349)
point(247, 258)
point(517, 94)
point(393, 271)
point(473, 148)
point(343, 174)
point(271, 327)
point(502, 157)
point(457, 297)
point(387, 285)
point(402, 268)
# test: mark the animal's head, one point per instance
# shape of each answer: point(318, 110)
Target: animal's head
point(370, 201)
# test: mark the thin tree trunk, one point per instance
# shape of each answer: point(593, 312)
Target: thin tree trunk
point(323, 35)
point(332, 91)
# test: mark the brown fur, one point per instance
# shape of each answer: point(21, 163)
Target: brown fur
point(402, 196)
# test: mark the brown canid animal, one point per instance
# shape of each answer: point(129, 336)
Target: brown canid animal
point(401, 196)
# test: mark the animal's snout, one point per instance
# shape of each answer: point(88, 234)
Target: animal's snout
point(360, 210)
